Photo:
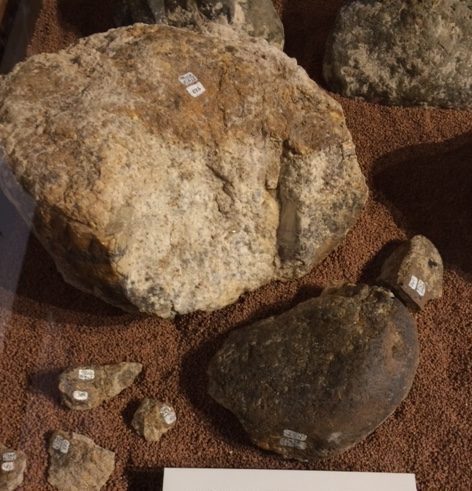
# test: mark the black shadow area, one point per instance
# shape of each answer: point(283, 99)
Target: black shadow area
point(429, 189)
point(307, 25)
point(145, 479)
point(87, 16)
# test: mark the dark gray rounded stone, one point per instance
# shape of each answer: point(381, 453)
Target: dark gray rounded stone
point(403, 52)
point(254, 17)
point(319, 378)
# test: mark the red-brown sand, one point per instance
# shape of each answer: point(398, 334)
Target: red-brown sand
point(419, 166)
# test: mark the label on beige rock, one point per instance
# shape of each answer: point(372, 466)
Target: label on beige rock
point(168, 414)
point(86, 374)
point(418, 285)
point(188, 79)
point(61, 444)
point(9, 457)
point(275, 480)
point(80, 395)
point(421, 288)
point(196, 90)
point(8, 466)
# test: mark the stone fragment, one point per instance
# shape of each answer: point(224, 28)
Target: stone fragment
point(76, 463)
point(403, 52)
point(87, 387)
point(414, 272)
point(172, 170)
point(12, 468)
point(154, 418)
point(318, 379)
point(254, 17)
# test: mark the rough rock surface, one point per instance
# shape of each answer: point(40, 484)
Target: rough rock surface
point(319, 378)
point(161, 193)
point(87, 387)
point(154, 418)
point(403, 52)
point(12, 468)
point(77, 463)
point(254, 17)
point(415, 272)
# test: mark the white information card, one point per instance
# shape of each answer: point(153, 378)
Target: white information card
point(275, 480)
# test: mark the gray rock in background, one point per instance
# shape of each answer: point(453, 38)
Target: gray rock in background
point(87, 387)
point(319, 378)
point(153, 419)
point(174, 170)
point(415, 272)
point(12, 468)
point(76, 463)
point(403, 52)
point(254, 17)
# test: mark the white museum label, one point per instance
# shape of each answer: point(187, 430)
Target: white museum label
point(9, 457)
point(168, 414)
point(418, 285)
point(188, 79)
point(275, 480)
point(8, 466)
point(80, 395)
point(196, 90)
point(86, 374)
point(61, 444)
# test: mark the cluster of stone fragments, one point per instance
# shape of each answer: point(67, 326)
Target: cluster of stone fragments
point(75, 461)
point(312, 381)
point(172, 167)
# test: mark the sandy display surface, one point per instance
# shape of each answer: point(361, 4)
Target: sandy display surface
point(419, 167)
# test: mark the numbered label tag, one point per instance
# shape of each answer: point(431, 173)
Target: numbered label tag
point(196, 90)
point(8, 466)
point(86, 374)
point(421, 288)
point(417, 285)
point(193, 86)
point(293, 439)
point(188, 79)
point(168, 414)
point(61, 444)
point(80, 395)
point(9, 457)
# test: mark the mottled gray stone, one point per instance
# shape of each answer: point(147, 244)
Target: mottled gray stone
point(254, 17)
point(87, 387)
point(153, 419)
point(12, 468)
point(157, 196)
point(414, 271)
point(76, 463)
point(403, 52)
point(319, 378)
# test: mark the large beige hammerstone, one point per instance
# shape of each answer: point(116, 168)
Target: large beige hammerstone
point(155, 195)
